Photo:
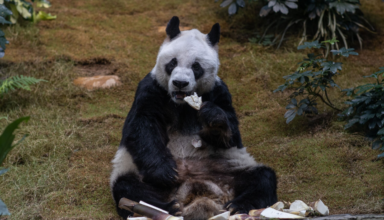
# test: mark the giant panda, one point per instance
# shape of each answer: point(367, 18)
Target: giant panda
point(157, 161)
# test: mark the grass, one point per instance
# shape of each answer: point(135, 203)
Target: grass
point(61, 170)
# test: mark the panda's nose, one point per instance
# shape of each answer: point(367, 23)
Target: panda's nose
point(180, 84)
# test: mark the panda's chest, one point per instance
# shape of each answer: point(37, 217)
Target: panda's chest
point(184, 141)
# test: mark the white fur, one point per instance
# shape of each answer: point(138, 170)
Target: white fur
point(189, 47)
point(239, 158)
point(181, 147)
point(122, 164)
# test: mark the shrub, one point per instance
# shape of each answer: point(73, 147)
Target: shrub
point(312, 79)
point(367, 109)
point(6, 145)
point(319, 19)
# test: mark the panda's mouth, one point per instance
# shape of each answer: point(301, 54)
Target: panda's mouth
point(179, 95)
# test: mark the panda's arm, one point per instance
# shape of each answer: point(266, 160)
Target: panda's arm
point(145, 135)
point(221, 124)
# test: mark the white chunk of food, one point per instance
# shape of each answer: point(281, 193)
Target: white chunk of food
point(320, 208)
point(273, 213)
point(298, 206)
point(278, 206)
point(222, 216)
point(194, 101)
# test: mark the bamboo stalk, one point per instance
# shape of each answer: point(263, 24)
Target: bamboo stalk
point(146, 211)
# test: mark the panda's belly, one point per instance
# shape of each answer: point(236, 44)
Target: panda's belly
point(206, 185)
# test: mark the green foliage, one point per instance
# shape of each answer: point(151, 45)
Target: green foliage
point(6, 145)
point(367, 109)
point(26, 10)
point(319, 19)
point(312, 79)
point(234, 5)
point(11, 10)
point(17, 82)
point(266, 41)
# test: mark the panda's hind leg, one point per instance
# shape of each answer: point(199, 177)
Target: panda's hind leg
point(254, 188)
point(129, 186)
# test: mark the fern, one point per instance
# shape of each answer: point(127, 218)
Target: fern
point(18, 82)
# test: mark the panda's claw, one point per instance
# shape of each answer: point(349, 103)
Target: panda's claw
point(175, 208)
point(239, 207)
point(176, 205)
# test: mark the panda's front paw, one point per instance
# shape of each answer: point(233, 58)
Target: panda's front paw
point(164, 176)
point(213, 116)
point(238, 207)
point(175, 208)
point(216, 130)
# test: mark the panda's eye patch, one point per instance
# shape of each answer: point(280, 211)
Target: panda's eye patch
point(170, 66)
point(197, 70)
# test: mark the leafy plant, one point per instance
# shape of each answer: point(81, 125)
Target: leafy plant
point(17, 82)
point(312, 79)
point(6, 145)
point(367, 109)
point(25, 9)
point(266, 41)
point(331, 19)
point(234, 5)
point(319, 19)
point(11, 10)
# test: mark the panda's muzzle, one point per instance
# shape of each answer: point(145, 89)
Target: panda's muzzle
point(180, 95)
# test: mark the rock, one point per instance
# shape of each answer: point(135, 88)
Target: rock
point(96, 82)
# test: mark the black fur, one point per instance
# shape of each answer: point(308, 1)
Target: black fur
point(170, 66)
point(173, 29)
point(254, 189)
point(218, 113)
point(145, 134)
point(198, 71)
point(214, 34)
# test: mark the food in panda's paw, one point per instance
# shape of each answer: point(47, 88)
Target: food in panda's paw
point(194, 101)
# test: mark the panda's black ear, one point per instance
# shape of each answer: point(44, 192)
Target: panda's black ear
point(214, 35)
point(173, 29)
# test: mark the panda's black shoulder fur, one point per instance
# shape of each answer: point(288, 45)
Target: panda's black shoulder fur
point(153, 112)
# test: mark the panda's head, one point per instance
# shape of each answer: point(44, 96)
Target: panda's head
point(188, 61)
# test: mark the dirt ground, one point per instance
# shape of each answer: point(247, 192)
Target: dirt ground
point(61, 170)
